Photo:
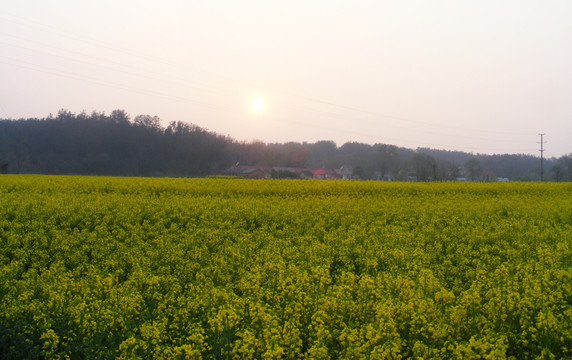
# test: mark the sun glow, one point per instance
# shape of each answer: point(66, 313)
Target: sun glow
point(257, 105)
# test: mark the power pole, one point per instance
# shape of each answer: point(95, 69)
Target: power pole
point(542, 142)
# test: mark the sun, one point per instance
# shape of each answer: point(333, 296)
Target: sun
point(257, 105)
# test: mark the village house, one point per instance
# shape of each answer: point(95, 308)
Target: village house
point(249, 172)
point(344, 172)
point(282, 172)
point(324, 174)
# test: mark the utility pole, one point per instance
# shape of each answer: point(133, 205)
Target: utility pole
point(542, 142)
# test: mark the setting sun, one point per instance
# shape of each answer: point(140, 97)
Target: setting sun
point(257, 105)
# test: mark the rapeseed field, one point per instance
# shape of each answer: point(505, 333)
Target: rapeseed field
point(100, 267)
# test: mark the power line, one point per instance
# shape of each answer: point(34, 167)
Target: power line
point(65, 74)
point(504, 140)
point(179, 82)
point(355, 109)
point(384, 138)
point(103, 44)
point(142, 72)
point(4, 111)
point(76, 37)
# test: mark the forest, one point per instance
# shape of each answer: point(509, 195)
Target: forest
point(115, 144)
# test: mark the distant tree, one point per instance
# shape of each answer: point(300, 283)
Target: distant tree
point(358, 154)
point(448, 171)
point(425, 167)
point(557, 171)
point(64, 114)
point(181, 128)
point(22, 155)
point(96, 143)
point(119, 117)
point(358, 173)
point(388, 160)
point(474, 169)
point(148, 121)
point(563, 168)
point(294, 154)
point(254, 153)
point(323, 154)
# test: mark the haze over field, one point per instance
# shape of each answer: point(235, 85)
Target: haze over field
point(483, 76)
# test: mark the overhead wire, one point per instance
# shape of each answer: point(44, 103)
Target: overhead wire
point(355, 109)
point(55, 72)
point(60, 32)
point(70, 75)
point(143, 73)
point(424, 131)
point(304, 108)
point(388, 138)
point(4, 111)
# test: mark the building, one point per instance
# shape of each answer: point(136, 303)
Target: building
point(249, 172)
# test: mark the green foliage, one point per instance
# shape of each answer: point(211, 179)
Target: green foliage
point(96, 267)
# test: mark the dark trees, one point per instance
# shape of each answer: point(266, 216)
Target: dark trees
point(100, 144)
point(323, 154)
point(562, 169)
point(389, 160)
point(474, 169)
point(425, 167)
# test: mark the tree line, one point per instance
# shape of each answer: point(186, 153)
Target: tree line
point(115, 144)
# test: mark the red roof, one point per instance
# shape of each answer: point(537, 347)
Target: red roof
point(322, 171)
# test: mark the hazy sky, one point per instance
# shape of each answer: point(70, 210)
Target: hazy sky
point(481, 76)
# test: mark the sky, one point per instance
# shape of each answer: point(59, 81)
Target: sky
point(483, 76)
